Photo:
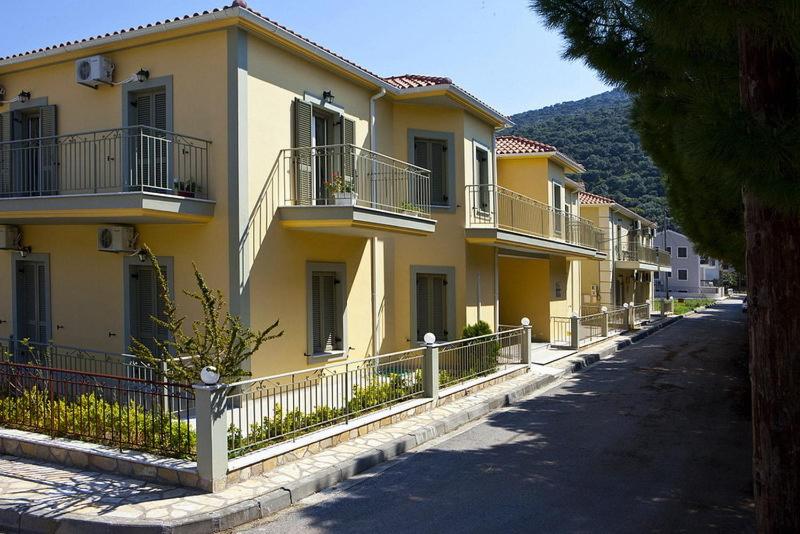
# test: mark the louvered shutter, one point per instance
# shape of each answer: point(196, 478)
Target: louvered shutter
point(438, 174)
point(162, 148)
point(316, 313)
point(41, 309)
point(439, 307)
point(326, 312)
point(349, 139)
point(422, 306)
point(146, 303)
point(5, 152)
point(48, 150)
point(303, 115)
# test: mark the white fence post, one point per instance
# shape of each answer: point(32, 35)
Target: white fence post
point(575, 331)
point(649, 309)
point(526, 341)
point(430, 372)
point(627, 324)
point(212, 435)
point(604, 326)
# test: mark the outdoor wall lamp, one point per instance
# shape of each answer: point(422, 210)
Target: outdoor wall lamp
point(142, 255)
point(327, 97)
point(142, 75)
point(24, 96)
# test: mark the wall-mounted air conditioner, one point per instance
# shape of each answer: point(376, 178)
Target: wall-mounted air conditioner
point(94, 71)
point(116, 239)
point(9, 236)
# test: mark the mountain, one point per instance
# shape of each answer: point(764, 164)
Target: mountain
point(596, 132)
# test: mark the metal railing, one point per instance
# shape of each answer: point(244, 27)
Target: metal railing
point(126, 413)
point(346, 175)
point(560, 331)
point(135, 158)
point(497, 207)
point(617, 320)
point(641, 313)
point(268, 410)
point(470, 358)
point(631, 251)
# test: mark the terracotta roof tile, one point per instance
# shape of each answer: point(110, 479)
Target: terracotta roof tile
point(584, 197)
point(409, 81)
point(515, 144)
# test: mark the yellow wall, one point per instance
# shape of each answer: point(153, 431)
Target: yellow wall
point(87, 291)
point(525, 292)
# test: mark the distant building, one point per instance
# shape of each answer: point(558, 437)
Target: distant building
point(692, 275)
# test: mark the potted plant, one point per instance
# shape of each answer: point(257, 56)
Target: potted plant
point(342, 190)
point(409, 208)
point(186, 188)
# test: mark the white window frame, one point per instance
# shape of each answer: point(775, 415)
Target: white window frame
point(685, 252)
point(341, 272)
point(686, 275)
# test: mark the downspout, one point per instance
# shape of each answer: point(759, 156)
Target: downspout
point(496, 261)
point(373, 145)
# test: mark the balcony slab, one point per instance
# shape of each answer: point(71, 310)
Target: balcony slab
point(354, 220)
point(642, 266)
point(511, 240)
point(124, 207)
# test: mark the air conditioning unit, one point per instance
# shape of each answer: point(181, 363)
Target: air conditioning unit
point(116, 239)
point(9, 236)
point(93, 71)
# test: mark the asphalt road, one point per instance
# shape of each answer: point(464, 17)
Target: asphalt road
point(656, 439)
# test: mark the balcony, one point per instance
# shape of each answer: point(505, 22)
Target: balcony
point(636, 256)
point(501, 217)
point(350, 190)
point(129, 175)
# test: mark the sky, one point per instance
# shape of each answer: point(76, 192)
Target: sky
point(498, 50)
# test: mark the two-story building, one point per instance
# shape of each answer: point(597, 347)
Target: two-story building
point(626, 274)
point(306, 187)
point(692, 275)
point(531, 218)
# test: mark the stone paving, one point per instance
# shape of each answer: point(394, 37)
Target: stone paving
point(39, 496)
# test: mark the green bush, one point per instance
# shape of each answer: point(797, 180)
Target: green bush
point(91, 418)
point(481, 328)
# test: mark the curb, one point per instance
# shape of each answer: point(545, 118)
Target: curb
point(276, 500)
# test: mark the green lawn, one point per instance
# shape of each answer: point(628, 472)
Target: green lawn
point(689, 304)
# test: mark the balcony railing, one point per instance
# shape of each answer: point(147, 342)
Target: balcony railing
point(136, 158)
point(498, 207)
point(347, 175)
point(627, 251)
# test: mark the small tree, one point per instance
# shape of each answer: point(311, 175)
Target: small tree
point(223, 343)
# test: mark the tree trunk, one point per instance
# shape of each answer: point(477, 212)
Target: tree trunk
point(768, 92)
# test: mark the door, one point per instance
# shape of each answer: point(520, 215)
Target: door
point(144, 303)
point(149, 144)
point(432, 305)
point(32, 302)
point(323, 163)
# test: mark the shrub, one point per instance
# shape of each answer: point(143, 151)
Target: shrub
point(481, 328)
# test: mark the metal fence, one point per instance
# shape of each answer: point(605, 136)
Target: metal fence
point(498, 207)
point(478, 356)
point(560, 331)
point(136, 158)
point(263, 411)
point(125, 413)
point(632, 251)
point(617, 321)
point(641, 313)
point(341, 175)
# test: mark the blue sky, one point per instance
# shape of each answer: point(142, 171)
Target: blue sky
point(496, 49)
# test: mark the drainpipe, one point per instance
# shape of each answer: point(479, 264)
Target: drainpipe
point(373, 145)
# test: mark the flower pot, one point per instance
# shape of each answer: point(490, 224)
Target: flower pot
point(186, 194)
point(345, 198)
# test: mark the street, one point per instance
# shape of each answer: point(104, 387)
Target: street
point(655, 439)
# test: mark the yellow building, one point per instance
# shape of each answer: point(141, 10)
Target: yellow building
point(532, 219)
point(625, 276)
point(306, 187)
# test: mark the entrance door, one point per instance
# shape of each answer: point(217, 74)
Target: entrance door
point(33, 322)
point(148, 141)
point(144, 303)
point(322, 158)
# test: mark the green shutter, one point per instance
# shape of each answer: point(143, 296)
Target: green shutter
point(49, 150)
point(5, 152)
point(41, 308)
point(326, 314)
point(439, 307)
point(438, 163)
point(422, 306)
point(302, 165)
point(145, 304)
point(349, 139)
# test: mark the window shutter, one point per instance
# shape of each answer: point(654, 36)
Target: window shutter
point(160, 111)
point(438, 174)
point(42, 311)
point(326, 313)
point(422, 306)
point(349, 139)
point(316, 313)
point(161, 332)
point(303, 115)
point(144, 110)
point(49, 150)
point(5, 152)
point(439, 307)
point(333, 335)
point(421, 154)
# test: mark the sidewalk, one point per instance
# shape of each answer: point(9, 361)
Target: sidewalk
point(37, 497)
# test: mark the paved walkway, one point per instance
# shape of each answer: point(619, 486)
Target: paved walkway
point(655, 439)
point(42, 497)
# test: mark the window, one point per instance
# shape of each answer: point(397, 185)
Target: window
point(557, 205)
point(669, 274)
point(682, 252)
point(482, 177)
point(326, 325)
point(712, 263)
point(433, 302)
point(431, 154)
point(669, 250)
point(683, 274)
point(657, 275)
point(703, 260)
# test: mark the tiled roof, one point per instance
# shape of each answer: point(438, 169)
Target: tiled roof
point(410, 81)
point(584, 197)
point(514, 144)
